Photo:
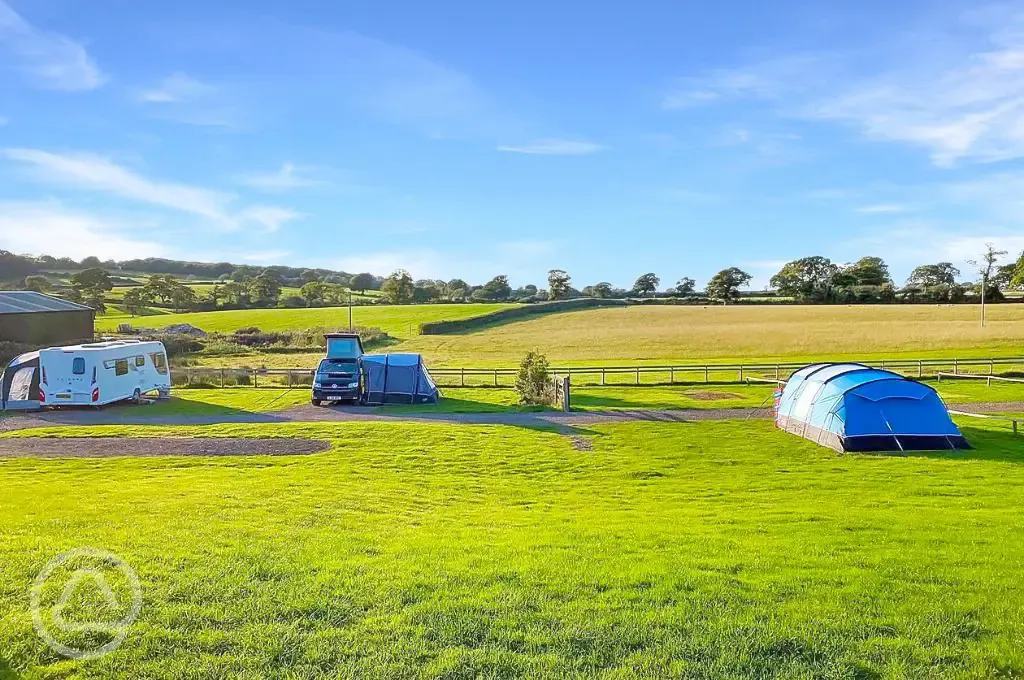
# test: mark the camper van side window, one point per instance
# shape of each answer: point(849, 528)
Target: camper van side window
point(160, 362)
point(78, 366)
point(140, 360)
point(121, 367)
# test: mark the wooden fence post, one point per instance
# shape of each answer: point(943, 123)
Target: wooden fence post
point(706, 374)
point(956, 367)
point(741, 372)
point(671, 375)
point(495, 377)
point(462, 376)
point(920, 368)
point(637, 375)
point(566, 398)
point(602, 377)
point(255, 378)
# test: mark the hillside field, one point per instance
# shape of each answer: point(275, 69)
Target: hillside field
point(702, 550)
point(400, 321)
point(655, 334)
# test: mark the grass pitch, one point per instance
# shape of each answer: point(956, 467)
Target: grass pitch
point(708, 550)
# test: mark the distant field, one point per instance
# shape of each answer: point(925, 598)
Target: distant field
point(655, 334)
point(400, 321)
point(696, 550)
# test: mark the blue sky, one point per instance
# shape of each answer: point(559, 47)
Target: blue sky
point(458, 138)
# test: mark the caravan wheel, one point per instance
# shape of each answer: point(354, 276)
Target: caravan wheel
point(137, 396)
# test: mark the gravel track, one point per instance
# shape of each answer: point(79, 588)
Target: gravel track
point(307, 413)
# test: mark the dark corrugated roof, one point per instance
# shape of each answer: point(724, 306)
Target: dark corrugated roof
point(28, 301)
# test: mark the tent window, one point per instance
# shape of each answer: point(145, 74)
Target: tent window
point(78, 366)
point(121, 367)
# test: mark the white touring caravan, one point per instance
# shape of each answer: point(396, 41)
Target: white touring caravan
point(93, 374)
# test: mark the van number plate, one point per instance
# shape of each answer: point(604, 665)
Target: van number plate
point(63, 396)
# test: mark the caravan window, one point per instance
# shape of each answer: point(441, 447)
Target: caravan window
point(140, 360)
point(160, 362)
point(78, 366)
point(121, 367)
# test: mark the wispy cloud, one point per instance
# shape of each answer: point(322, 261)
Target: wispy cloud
point(555, 147)
point(50, 60)
point(176, 88)
point(102, 174)
point(48, 227)
point(290, 176)
point(963, 103)
point(270, 217)
point(97, 173)
point(882, 208)
point(183, 99)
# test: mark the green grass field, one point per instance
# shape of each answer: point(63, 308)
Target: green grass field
point(653, 334)
point(401, 321)
point(656, 334)
point(708, 550)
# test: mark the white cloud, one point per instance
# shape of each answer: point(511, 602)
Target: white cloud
point(50, 228)
point(962, 101)
point(51, 60)
point(288, 177)
point(880, 208)
point(271, 217)
point(176, 88)
point(555, 147)
point(183, 99)
point(97, 173)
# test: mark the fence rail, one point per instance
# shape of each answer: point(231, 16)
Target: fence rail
point(968, 414)
point(610, 375)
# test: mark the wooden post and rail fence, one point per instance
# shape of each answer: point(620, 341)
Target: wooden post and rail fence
point(669, 374)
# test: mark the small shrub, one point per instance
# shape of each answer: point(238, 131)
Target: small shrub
point(177, 344)
point(254, 337)
point(533, 382)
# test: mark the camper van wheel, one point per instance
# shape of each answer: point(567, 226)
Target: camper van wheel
point(314, 402)
point(137, 396)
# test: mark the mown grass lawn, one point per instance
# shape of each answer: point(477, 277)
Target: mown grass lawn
point(709, 550)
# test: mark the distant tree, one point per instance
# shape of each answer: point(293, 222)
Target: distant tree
point(685, 286)
point(646, 283)
point(234, 292)
point(336, 293)
point(46, 261)
point(313, 292)
point(91, 262)
point(266, 288)
point(1017, 274)
point(456, 289)
point(214, 295)
point(558, 284)
point(398, 288)
point(161, 288)
point(184, 298)
point(495, 289)
point(939, 274)
point(362, 282)
point(307, 276)
point(869, 271)
point(806, 279)
point(71, 295)
point(93, 297)
point(726, 284)
point(92, 279)
point(984, 265)
point(133, 300)
point(39, 284)
point(602, 289)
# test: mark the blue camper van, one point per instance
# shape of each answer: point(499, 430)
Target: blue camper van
point(338, 377)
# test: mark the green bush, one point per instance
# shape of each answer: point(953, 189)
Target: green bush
point(533, 381)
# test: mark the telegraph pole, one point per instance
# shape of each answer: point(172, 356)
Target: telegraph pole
point(350, 326)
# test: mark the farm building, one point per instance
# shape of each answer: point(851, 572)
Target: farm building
point(37, 319)
point(852, 407)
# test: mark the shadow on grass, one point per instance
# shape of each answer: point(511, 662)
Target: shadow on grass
point(450, 405)
point(987, 444)
point(6, 671)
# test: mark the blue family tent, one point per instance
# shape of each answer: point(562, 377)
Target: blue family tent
point(852, 407)
point(397, 379)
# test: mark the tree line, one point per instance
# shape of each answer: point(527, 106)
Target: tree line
point(814, 279)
